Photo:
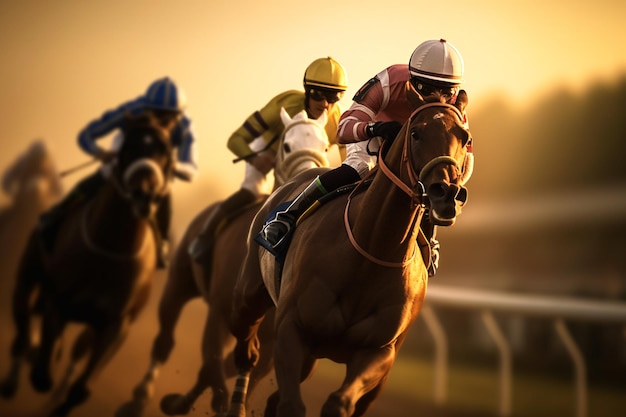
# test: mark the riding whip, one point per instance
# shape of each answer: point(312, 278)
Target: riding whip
point(78, 167)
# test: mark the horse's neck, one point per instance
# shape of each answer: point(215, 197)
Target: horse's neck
point(111, 222)
point(384, 220)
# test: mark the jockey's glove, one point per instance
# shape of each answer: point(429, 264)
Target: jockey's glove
point(386, 130)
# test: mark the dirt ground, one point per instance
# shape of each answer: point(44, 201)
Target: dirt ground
point(115, 383)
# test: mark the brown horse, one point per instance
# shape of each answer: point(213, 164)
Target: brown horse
point(100, 271)
point(353, 280)
point(304, 146)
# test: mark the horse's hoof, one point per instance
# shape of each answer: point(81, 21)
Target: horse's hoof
point(8, 390)
point(337, 405)
point(175, 404)
point(131, 409)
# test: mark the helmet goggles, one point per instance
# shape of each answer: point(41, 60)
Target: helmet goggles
point(331, 96)
point(428, 88)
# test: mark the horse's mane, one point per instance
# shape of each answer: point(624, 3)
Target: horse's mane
point(145, 120)
point(434, 97)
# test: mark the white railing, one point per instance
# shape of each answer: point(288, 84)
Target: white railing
point(558, 309)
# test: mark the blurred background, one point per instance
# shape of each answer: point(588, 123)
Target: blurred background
point(547, 200)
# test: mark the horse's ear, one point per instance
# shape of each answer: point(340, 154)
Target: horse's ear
point(461, 101)
point(284, 116)
point(415, 99)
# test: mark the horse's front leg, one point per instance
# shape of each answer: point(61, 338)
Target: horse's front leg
point(26, 290)
point(51, 328)
point(179, 289)
point(105, 343)
point(251, 301)
point(246, 355)
point(366, 373)
point(292, 364)
point(21, 345)
point(216, 341)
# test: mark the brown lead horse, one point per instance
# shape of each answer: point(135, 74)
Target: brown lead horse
point(304, 146)
point(353, 280)
point(100, 272)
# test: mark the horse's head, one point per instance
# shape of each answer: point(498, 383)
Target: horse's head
point(303, 146)
point(144, 163)
point(434, 147)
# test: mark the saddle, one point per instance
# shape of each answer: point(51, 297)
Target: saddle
point(283, 247)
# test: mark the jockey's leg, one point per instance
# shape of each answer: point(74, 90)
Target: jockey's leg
point(273, 233)
point(163, 220)
point(201, 248)
point(51, 220)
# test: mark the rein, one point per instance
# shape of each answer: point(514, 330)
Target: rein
point(121, 188)
point(417, 197)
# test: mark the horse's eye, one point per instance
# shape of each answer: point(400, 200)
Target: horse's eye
point(414, 135)
point(287, 148)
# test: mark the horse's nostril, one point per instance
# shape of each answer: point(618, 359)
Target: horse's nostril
point(436, 190)
point(287, 148)
point(462, 195)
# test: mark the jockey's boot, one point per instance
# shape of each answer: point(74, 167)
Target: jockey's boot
point(274, 231)
point(50, 221)
point(201, 248)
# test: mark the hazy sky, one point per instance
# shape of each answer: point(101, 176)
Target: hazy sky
point(65, 62)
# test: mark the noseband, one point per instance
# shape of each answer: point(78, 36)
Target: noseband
point(415, 189)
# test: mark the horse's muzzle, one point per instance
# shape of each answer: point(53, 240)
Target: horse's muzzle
point(446, 201)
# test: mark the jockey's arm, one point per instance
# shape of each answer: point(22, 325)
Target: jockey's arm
point(353, 122)
point(239, 142)
point(101, 127)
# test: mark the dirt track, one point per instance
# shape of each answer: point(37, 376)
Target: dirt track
point(114, 385)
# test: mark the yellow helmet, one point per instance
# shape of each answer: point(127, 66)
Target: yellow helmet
point(325, 73)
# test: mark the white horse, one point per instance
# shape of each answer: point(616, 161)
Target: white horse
point(303, 146)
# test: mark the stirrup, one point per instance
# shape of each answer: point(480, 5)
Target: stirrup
point(262, 239)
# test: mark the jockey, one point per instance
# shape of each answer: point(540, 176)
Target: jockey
point(256, 141)
point(167, 103)
point(379, 110)
point(34, 168)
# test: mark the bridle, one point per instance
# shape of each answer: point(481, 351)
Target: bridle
point(120, 183)
point(297, 157)
point(417, 197)
point(415, 188)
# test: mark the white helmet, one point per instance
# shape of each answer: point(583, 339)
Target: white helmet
point(437, 62)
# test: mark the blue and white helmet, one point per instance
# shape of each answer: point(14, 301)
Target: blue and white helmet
point(163, 94)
